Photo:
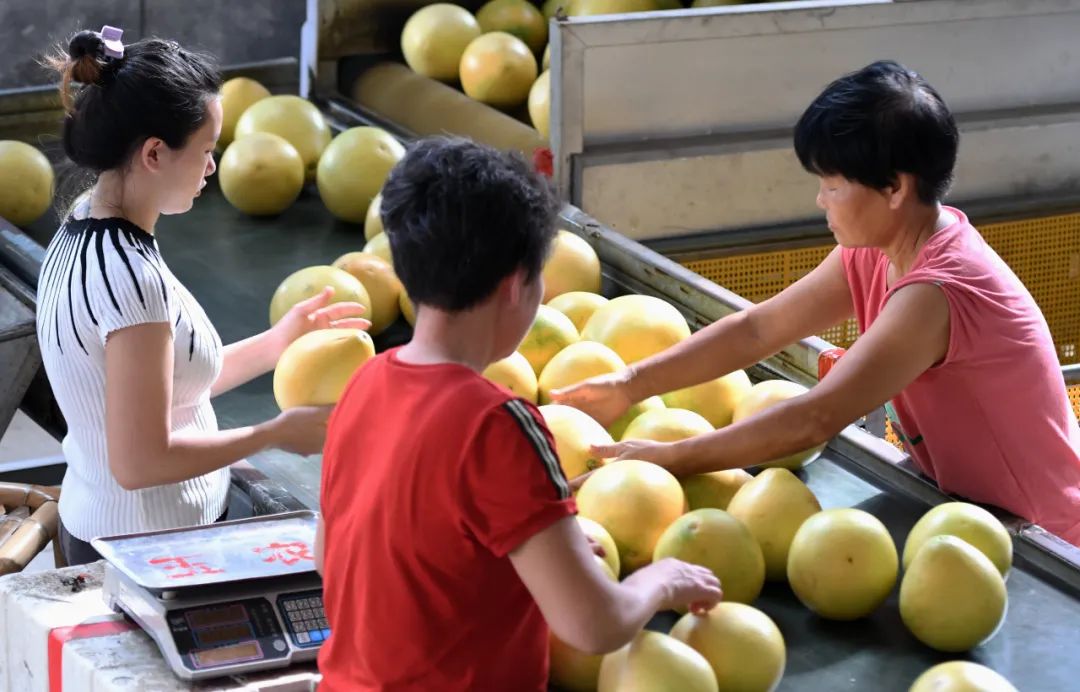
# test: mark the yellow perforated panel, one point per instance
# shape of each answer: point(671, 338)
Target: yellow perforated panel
point(1074, 397)
point(1044, 252)
point(762, 275)
point(891, 436)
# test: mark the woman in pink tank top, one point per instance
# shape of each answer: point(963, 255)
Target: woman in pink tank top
point(951, 341)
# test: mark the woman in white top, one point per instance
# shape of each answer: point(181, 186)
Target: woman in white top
point(131, 356)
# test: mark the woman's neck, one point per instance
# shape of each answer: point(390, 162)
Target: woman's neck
point(113, 196)
point(916, 229)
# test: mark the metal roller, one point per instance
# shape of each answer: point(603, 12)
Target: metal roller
point(425, 107)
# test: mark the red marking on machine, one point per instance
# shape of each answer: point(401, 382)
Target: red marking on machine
point(288, 553)
point(544, 161)
point(171, 564)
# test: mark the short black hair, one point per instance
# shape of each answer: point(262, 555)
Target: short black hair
point(462, 216)
point(157, 89)
point(882, 120)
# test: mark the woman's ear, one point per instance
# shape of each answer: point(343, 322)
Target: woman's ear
point(150, 154)
point(902, 189)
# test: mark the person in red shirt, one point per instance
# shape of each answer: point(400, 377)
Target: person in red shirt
point(447, 541)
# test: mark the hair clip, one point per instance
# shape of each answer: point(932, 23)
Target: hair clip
point(114, 48)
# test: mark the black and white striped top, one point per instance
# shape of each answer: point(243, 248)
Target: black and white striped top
point(101, 275)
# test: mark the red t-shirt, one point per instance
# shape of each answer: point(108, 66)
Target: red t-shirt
point(431, 475)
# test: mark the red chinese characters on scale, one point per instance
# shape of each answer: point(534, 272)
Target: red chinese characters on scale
point(187, 566)
point(288, 553)
point(181, 568)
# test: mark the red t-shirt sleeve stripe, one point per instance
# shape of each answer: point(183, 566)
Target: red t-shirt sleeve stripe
point(541, 443)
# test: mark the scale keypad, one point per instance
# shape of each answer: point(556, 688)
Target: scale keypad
point(305, 618)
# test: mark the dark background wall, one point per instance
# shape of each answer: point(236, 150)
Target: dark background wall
point(236, 31)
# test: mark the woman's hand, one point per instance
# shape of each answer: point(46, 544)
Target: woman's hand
point(315, 313)
point(659, 453)
point(604, 398)
point(301, 430)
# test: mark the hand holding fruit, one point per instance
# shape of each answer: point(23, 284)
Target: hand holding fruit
point(301, 430)
point(317, 313)
point(604, 398)
point(658, 453)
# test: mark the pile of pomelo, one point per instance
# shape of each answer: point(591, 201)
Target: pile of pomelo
point(500, 55)
point(841, 563)
point(275, 144)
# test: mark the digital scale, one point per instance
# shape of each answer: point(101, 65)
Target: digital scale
point(223, 599)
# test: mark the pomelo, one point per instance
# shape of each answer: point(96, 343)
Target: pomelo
point(572, 266)
point(742, 644)
point(636, 326)
point(599, 534)
point(498, 69)
point(550, 7)
point(261, 174)
point(309, 281)
point(516, 17)
point(764, 395)
point(715, 400)
point(576, 363)
point(353, 169)
point(635, 501)
point(435, 37)
point(713, 489)
point(587, 8)
point(618, 428)
point(551, 332)
point(666, 425)
point(961, 676)
point(773, 506)
point(713, 538)
point(952, 597)
point(964, 520)
point(315, 369)
point(298, 120)
point(540, 104)
point(237, 94)
point(842, 564)
point(578, 306)
point(373, 225)
point(380, 282)
point(380, 247)
point(26, 182)
point(514, 373)
point(574, 432)
point(657, 663)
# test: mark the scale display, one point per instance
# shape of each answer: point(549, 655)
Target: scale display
point(214, 554)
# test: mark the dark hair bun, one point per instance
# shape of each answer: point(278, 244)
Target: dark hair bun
point(86, 50)
point(86, 43)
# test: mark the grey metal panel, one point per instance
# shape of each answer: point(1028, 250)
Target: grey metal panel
point(19, 355)
point(235, 32)
point(679, 190)
point(679, 122)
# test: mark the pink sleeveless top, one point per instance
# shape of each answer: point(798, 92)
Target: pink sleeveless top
point(992, 422)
